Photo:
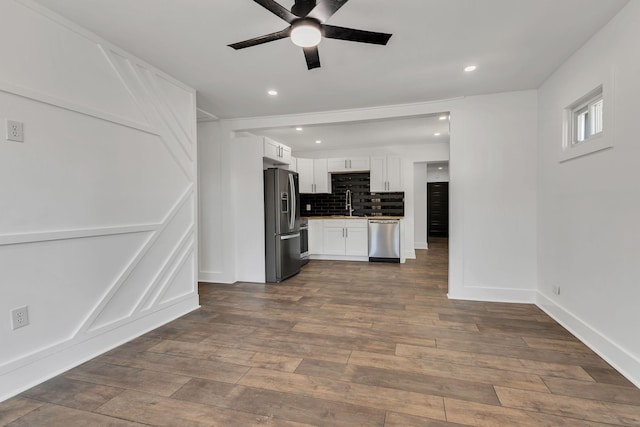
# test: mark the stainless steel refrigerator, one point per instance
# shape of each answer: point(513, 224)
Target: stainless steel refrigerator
point(282, 224)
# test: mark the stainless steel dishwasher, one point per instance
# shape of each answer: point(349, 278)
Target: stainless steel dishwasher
point(384, 240)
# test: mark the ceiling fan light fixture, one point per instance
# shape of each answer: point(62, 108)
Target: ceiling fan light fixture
point(306, 33)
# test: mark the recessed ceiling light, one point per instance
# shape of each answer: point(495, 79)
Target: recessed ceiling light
point(299, 129)
point(437, 134)
point(318, 142)
point(470, 68)
point(443, 118)
point(440, 168)
point(273, 92)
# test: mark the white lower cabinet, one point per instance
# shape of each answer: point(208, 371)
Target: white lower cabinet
point(333, 239)
point(316, 237)
point(345, 237)
point(357, 241)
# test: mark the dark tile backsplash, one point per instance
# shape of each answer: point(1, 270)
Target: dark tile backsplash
point(364, 202)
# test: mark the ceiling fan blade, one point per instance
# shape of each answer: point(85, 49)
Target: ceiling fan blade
point(354, 35)
point(325, 9)
point(277, 9)
point(312, 56)
point(261, 39)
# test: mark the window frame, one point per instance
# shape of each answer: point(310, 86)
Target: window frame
point(603, 140)
point(581, 134)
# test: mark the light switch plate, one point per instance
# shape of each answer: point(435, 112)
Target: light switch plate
point(15, 131)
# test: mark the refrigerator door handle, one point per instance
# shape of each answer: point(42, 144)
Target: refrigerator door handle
point(292, 214)
point(290, 236)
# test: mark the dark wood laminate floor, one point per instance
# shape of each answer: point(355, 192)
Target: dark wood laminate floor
point(341, 344)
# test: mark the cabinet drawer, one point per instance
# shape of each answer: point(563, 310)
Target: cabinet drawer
point(334, 223)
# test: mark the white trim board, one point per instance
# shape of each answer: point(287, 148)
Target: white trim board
point(518, 296)
point(623, 361)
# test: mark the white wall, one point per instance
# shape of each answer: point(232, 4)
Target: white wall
point(589, 207)
point(438, 172)
point(97, 232)
point(492, 198)
point(420, 205)
point(217, 242)
point(248, 196)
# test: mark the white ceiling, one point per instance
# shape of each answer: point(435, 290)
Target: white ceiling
point(378, 133)
point(516, 44)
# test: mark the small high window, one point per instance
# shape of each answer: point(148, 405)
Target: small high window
point(586, 117)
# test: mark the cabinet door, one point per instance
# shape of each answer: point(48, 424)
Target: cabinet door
point(271, 149)
point(358, 164)
point(394, 174)
point(378, 174)
point(333, 242)
point(293, 165)
point(285, 154)
point(357, 241)
point(321, 177)
point(315, 237)
point(337, 165)
point(305, 175)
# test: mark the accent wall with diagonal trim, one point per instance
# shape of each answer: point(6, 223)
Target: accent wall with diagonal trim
point(98, 205)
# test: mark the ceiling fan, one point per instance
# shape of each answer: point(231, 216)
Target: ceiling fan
point(307, 27)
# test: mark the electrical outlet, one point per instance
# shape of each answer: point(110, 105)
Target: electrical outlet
point(308, 208)
point(556, 289)
point(15, 131)
point(19, 317)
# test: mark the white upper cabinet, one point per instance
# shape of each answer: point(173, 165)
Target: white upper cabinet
point(355, 164)
point(386, 174)
point(278, 153)
point(293, 166)
point(314, 176)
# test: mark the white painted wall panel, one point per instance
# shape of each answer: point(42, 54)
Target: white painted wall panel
point(61, 281)
point(99, 204)
point(56, 61)
point(134, 180)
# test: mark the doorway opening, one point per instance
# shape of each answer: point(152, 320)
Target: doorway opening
point(437, 209)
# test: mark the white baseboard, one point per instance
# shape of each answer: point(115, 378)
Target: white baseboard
point(421, 245)
point(410, 254)
point(71, 354)
point(339, 258)
point(214, 277)
point(623, 361)
point(520, 296)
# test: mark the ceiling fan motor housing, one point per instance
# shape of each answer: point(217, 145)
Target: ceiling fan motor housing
point(303, 7)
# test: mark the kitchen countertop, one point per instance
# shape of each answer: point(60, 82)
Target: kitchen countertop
point(352, 217)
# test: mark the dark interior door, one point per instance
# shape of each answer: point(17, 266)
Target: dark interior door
point(438, 209)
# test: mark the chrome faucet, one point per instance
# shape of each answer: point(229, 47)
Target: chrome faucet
point(347, 203)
